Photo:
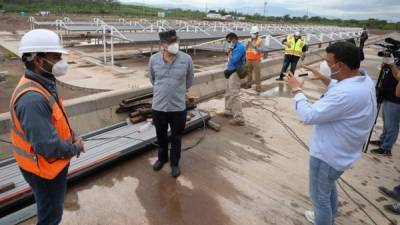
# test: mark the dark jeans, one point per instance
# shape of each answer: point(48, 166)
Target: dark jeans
point(391, 124)
point(49, 196)
point(177, 122)
point(289, 60)
point(397, 190)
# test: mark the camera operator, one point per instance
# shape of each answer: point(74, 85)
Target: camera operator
point(398, 87)
point(391, 109)
point(363, 39)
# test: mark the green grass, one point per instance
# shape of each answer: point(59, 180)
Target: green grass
point(9, 55)
point(8, 81)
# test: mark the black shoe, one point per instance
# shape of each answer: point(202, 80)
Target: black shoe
point(175, 171)
point(394, 208)
point(376, 142)
point(382, 152)
point(158, 165)
point(279, 79)
point(389, 193)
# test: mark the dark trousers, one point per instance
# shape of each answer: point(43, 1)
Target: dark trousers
point(49, 196)
point(397, 190)
point(291, 60)
point(177, 122)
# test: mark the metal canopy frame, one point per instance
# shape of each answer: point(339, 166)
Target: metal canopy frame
point(273, 43)
point(145, 31)
point(192, 25)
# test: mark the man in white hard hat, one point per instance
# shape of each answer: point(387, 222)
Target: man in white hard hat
point(295, 46)
point(43, 140)
point(253, 58)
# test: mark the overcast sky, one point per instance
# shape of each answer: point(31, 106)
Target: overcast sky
point(357, 9)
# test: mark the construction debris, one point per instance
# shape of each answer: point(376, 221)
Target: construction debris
point(139, 108)
point(214, 125)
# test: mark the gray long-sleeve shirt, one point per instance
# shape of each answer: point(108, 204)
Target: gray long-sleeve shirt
point(34, 114)
point(170, 81)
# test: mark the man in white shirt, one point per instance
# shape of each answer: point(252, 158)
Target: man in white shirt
point(342, 119)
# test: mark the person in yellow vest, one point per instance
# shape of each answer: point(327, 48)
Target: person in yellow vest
point(254, 54)
point(295, 46)
point(43, 140)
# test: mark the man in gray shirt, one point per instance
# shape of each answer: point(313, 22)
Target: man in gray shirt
point(171, 73)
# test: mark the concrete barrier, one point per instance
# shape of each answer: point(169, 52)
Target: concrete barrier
point(82, 89)
point(212, 83)
point(98, 110)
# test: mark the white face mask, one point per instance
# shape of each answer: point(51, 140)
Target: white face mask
point(60, 68)
point(173, 48)
point(254, 36)
point(326, 70)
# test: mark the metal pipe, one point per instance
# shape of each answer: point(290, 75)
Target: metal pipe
point(104, 44)
point(112, 47)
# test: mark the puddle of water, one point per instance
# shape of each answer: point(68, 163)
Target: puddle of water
point(277, 90)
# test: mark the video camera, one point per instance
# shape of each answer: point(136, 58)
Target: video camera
point(392, 47)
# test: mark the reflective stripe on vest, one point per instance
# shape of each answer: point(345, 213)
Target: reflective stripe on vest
point(251, 53)
point(25, 154)
point(26, 158)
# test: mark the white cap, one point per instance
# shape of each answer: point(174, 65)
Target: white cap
point(41, 40)
point(254, 30)
point(297, 33)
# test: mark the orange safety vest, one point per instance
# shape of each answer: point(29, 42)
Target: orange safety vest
point(25, 156)
point(251, 53)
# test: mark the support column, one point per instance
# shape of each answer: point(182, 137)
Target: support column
point(112, 48)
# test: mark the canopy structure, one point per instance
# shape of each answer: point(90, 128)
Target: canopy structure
point(210, 34)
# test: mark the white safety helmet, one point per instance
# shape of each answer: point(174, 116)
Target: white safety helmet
point(41, 40)
point(254, 30)
point(297, 33)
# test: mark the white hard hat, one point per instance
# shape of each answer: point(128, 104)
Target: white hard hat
point(254, 30)
point(297, 33)
point(41, 40)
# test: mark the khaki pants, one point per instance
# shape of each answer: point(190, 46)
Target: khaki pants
point(254, 66)
point(232, 99)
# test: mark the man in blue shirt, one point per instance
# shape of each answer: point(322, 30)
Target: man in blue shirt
point(237, 56)
point(342, 120)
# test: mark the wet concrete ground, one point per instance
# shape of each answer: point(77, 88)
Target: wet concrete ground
point(251, 175)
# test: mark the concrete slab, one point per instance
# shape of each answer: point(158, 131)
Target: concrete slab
point(256, 174)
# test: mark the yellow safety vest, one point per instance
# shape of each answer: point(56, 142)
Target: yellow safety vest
point(294, 47)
